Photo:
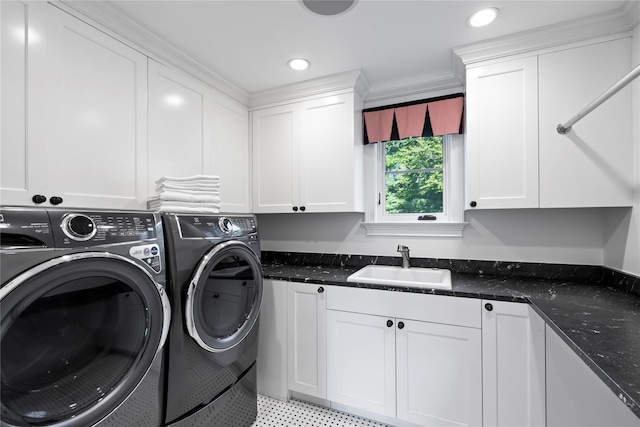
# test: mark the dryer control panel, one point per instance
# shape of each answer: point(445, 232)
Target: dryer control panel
point(217, 227)
point(83, 228)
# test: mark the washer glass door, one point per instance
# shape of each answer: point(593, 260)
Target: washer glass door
point(78, 334)
point(224, 296)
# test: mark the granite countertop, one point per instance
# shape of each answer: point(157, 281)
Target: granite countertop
point(600, 322)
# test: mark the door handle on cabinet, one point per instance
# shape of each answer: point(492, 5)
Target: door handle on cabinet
point(38, 198)
point(55, 200)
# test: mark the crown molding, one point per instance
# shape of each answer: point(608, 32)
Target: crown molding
point(352, 80)
point(411, 91)
point(109, 18)
point(615, 23)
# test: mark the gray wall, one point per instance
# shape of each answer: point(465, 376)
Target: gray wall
point(569, 236)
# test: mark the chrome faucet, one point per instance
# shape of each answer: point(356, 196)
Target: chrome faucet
point(404, 251)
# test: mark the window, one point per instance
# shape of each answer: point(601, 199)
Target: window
point(413, 178)
point(416, 187)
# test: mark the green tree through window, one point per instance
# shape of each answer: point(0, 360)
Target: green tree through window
point(414, 176)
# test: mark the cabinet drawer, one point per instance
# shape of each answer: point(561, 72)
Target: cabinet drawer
point(407, 305)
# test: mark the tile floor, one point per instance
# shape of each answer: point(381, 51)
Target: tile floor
point(274, 413)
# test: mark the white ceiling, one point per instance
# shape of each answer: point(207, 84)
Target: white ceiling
point(394, 42)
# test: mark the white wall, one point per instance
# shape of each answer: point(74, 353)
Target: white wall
point(564, 236)
point(622, 227)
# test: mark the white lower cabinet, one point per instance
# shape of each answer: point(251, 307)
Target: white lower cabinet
point(576, 396)
point(272, 342)
point(361, 361)
point(411, 368)
point(439, 374)
point(307, 339)
point(513, 354)
point(412, 359)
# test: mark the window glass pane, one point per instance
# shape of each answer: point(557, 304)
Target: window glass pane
point(413, 153)
point(414, 176)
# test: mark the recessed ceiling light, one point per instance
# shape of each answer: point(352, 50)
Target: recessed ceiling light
point(483, 17)
point(298, 64)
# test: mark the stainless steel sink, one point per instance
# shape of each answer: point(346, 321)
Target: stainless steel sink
point(417, 277)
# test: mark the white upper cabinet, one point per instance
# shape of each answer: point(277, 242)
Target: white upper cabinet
point(275, 159)
point(307, 158)
point(85, 143)
point(502, 135)
point(195, 130)
point(328, 154)
point(228, 154)
point(516, 158)
point(592, 164)
point(17, 185)
point(178, 126)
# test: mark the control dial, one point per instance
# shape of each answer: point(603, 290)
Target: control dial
point(78, 227)
point(225, 225)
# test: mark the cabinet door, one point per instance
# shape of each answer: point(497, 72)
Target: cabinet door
point(502, 135)
point(22, 163)
point(592, 164)
point(180, 112)
point(513, 353)
point(96, 116)
point(361, 362)
point(439, 370)
point(272, 342)
point(229, 153)
point(275, 159)
point(327, 154)
point(576, 397)
point(307, 339)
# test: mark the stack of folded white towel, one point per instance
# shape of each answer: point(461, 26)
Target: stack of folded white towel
point(198, 193)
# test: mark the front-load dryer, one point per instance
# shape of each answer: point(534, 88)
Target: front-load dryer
point(84, 318)
point(215, 288)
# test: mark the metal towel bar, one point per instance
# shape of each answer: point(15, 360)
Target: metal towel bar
point(564, 128)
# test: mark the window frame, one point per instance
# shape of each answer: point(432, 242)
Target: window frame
point(449, 223)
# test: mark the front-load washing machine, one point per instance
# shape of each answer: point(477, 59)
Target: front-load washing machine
point(215, 288)
point(84, 316)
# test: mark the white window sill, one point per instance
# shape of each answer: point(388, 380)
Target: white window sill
point(418, 229)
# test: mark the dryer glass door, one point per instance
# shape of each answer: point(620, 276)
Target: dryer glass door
point(78, 334)
point(224, 296)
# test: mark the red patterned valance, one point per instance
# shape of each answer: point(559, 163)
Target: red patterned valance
point(439, 116)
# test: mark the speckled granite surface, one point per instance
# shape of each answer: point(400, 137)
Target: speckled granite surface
point(594, 309)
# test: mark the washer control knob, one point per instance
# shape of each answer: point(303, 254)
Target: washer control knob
point(225, 225)
point(78, 227)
